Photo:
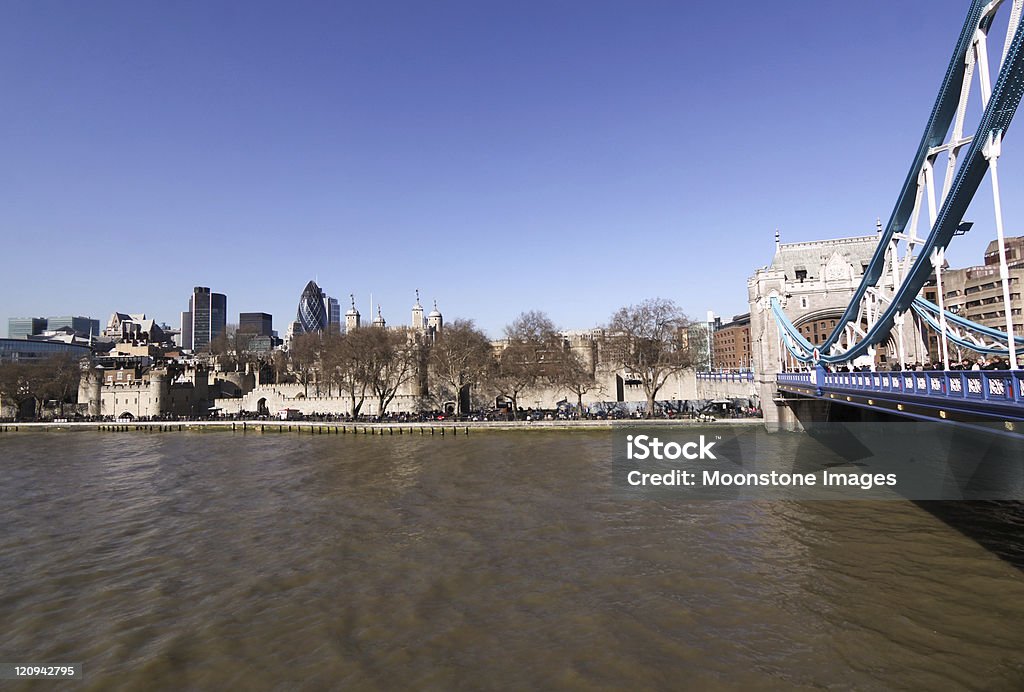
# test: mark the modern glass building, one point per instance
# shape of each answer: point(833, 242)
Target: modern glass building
point(206, 319)
point(22, 350)
point(333, 314)
point(259, 323)
point(83, 326)
point(24, 327)
point(312, 314)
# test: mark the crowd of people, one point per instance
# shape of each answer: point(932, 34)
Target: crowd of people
point(980, 363)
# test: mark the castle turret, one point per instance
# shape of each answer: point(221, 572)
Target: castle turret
point(379, 320)
point(434, 320)
point(352, 316)
point(92, 387)
point(417, 313)
point(158, 391)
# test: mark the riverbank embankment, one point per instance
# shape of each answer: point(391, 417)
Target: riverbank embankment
point(359, 428)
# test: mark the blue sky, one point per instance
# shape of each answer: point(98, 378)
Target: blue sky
point(571, 157)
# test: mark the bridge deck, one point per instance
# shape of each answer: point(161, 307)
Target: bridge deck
point(958, 395)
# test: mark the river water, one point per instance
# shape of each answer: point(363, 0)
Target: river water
point(501, 560)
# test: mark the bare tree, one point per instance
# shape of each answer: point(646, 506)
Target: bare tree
point(534, 353)
point(649, 341)
point(224, 343)
point(577, 377)
point(15, 385)
point(460, 358)
point(278, 362)
point(347, 362)
point(392, 364)
point(304, 354)
point(240, 340)
point(61, 375)
point(55, 378)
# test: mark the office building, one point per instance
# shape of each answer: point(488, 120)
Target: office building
point(333, 314)
point(205, 319)
point(731, 344)
point(977, 292)
point(82, 326)
point(255, 332)
point(25, 350)
point(24, 327)
point(258, 323)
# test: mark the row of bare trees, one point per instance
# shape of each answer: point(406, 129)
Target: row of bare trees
point(647, 340)
point(52, 379)
point(365, 362)
point(536, 355)
point(370, 362)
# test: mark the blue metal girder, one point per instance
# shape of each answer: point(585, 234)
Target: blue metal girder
point(1005, 97)
point(933, 309)
point(790, 329)
point(923, 307)
point(957, 340)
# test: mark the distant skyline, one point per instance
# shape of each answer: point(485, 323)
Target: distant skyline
point(570, 157)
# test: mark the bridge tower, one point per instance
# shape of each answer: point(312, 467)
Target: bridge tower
point(813, 281)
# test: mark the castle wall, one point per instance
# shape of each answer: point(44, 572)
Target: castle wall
point(727, 389)
point(293, 396)
point(150, 397)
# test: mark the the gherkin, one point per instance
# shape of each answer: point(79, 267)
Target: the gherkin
point(312, 314)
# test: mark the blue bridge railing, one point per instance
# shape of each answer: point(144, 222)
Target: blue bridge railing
point(990, 386)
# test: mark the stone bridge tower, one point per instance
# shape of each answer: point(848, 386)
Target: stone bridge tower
point(814, 281)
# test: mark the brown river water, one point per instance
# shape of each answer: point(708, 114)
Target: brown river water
point(498, 560)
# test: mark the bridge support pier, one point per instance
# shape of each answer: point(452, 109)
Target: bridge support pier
point(779, 416)
point(782, 418)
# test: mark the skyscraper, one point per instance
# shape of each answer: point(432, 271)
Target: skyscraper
point(333, 314)
point(205, 320)
point(312, 313)
point(258, 323)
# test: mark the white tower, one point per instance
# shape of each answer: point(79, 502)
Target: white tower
point(434, 320)
point(417, 314)
point(352, 316)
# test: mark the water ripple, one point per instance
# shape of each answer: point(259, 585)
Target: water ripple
point(501, 560)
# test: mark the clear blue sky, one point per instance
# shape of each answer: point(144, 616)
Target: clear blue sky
point(571, 157)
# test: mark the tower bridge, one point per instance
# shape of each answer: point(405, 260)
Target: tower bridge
point(835, 322)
